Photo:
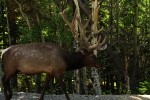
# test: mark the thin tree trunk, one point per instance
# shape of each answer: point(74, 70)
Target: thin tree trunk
point(127, 85)
point(12, 31)
point(112, 83)
point(76, 73)
point(94, 28)
point(76, 82)
point(83, 81)
point(117, 32)
point(2, 31)
point(135, 47)
point(117, 19)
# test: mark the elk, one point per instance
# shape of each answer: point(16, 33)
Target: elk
point(50, 58)
point(37, 58)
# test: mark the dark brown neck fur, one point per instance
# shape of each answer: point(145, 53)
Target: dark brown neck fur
point(75, 60)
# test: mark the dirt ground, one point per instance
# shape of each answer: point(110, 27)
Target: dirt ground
point(33, 96)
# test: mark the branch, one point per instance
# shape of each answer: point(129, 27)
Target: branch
point(23, 14)
point(83, 5)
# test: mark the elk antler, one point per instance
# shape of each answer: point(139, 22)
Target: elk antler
point(76, 24)
point(81, 36)
point(96, 43)
point(70, 24)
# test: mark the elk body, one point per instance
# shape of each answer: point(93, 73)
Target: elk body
point(37, 58)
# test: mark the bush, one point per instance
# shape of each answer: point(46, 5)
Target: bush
point(144, 87)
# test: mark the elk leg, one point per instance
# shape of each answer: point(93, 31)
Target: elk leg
point(7, 88)
point(48, 76)
point(4, 82)
point(62, 84)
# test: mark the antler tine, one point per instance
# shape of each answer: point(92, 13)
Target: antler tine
point(84, 26)
point(72, 27)
point(82, 29)
point(64, 16)
point(98, 45)
point(70, 24)
point(87, 23)
point(95, 18)
point(92, 47)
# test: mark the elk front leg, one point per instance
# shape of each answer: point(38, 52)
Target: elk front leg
point(48, 77)
point(62, 84)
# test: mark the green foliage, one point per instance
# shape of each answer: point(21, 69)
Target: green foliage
point(144, 87)
point(26, 83)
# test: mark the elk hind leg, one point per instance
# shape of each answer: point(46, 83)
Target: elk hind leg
point(6, 84)
point(7, 88)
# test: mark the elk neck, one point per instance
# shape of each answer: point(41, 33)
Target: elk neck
point(75, 60)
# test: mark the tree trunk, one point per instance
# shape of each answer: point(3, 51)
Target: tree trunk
point(117, 19)
point(135, 69)
point(76, 73)
point(96, 81)
point(94, 30)
point(12, 31)
point(2, 33)
point(127, 85)
point(76, 82)
point(83, 81)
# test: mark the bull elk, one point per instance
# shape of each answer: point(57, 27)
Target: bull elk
point(49, 58)
point(37, 58)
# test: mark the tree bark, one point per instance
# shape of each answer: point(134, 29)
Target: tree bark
point(135, 69)
point(3, 35)
point(76, 73)
point(12, 31)
point(83, 81)
point(94, 30)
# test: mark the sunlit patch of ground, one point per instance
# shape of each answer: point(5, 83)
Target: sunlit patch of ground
point(33, 96)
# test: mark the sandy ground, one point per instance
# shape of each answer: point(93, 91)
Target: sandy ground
point(33, 96)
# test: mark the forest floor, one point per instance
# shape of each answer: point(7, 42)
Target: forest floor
point(33, 96)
